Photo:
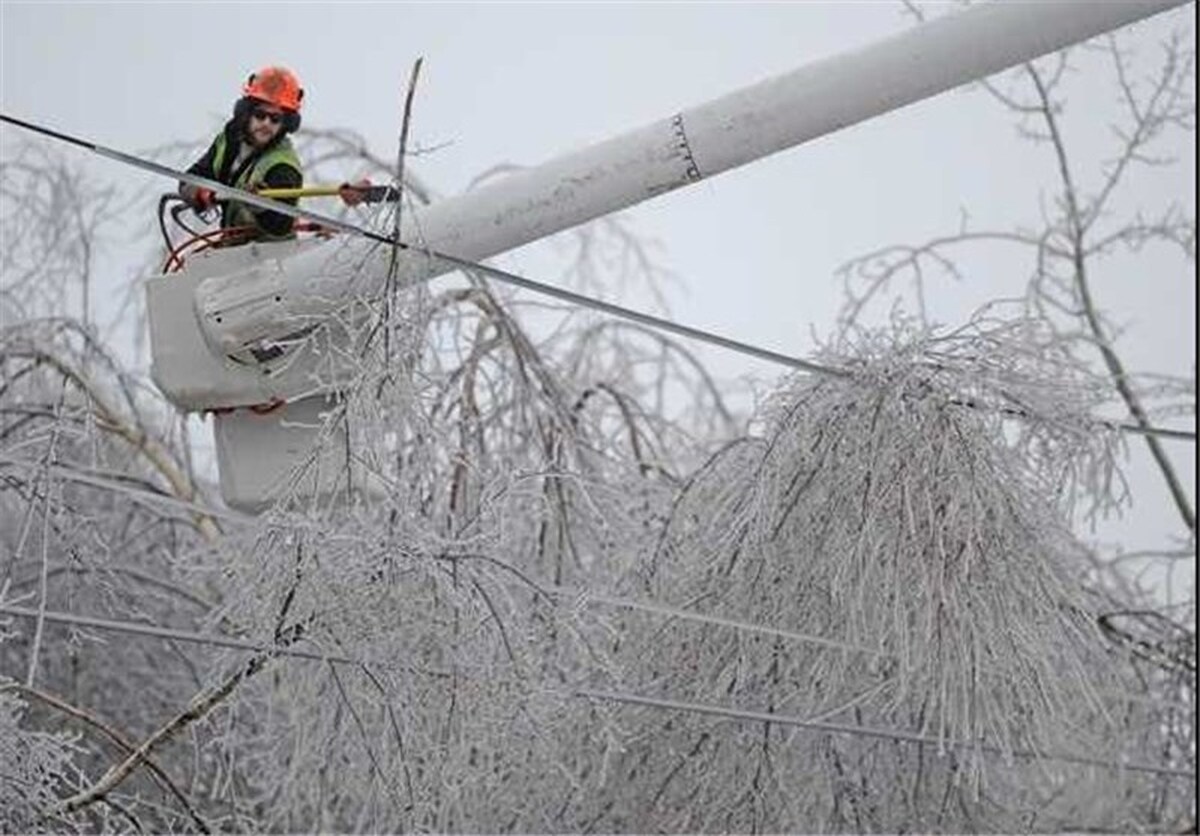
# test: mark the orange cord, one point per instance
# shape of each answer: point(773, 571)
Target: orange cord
point(200, 243)
point(218, 237)
point(258, 408)
point(268, 407)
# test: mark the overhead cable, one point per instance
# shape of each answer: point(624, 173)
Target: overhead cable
point(171, 634)
point(610, 696)
point(115, 483)
point(229, 192)
point(782, 719)
point(705, 618)
point(570, 596)
point(866, 731)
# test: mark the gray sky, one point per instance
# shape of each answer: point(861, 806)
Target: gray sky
point(755, 249)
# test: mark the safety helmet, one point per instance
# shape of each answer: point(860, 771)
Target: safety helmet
point(276, 85)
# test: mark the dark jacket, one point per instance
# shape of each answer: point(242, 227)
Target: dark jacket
point(281, 175)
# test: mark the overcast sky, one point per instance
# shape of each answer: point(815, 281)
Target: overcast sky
point(755, 249)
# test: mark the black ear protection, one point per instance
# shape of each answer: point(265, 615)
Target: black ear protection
point(291, 119)
point(241, 110)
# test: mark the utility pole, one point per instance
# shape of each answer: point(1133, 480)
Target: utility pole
point(241, 304)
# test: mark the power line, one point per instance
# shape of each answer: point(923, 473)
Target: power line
point(172, 634)
point(666, 611)
point(560, 592)
point(741, 347)
point(644, 318)
point(113, 482)
point(223, 190)
point(866, 731)
point(700, 708)
point(586, 598)
point(704, 618)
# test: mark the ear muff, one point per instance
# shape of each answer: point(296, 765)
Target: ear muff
point(242, 108)
point(291, 118)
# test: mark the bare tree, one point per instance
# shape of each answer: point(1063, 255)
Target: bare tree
point(581, 593)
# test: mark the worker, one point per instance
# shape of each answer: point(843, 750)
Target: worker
point(253, 152)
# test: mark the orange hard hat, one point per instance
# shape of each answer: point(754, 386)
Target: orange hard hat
point(276, 85)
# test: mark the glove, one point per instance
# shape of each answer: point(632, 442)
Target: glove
point(205, 199)
point(355, 193)
point(199, 198)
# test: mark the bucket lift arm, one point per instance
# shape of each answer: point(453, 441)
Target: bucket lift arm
point(242, 309)
point(216, 327)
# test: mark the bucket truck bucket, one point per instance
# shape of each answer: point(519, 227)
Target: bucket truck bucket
point(195, 375)
point(268, 401)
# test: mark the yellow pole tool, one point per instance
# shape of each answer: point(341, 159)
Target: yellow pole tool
point(371, 194)
point(302, 191)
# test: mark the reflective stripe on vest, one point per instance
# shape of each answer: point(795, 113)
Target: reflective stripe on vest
point(239, 214)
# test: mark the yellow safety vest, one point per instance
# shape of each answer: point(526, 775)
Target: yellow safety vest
point(239, 214)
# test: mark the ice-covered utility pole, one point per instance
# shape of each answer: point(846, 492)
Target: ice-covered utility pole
point(738, 128)
point(216, 329)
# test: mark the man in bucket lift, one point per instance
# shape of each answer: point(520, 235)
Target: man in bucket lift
point(253, 152)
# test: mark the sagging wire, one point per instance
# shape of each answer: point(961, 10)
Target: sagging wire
point(868, 731)
point(330, 225)
point(615, 696)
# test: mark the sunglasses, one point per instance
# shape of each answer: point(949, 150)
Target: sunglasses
point(267, 116)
